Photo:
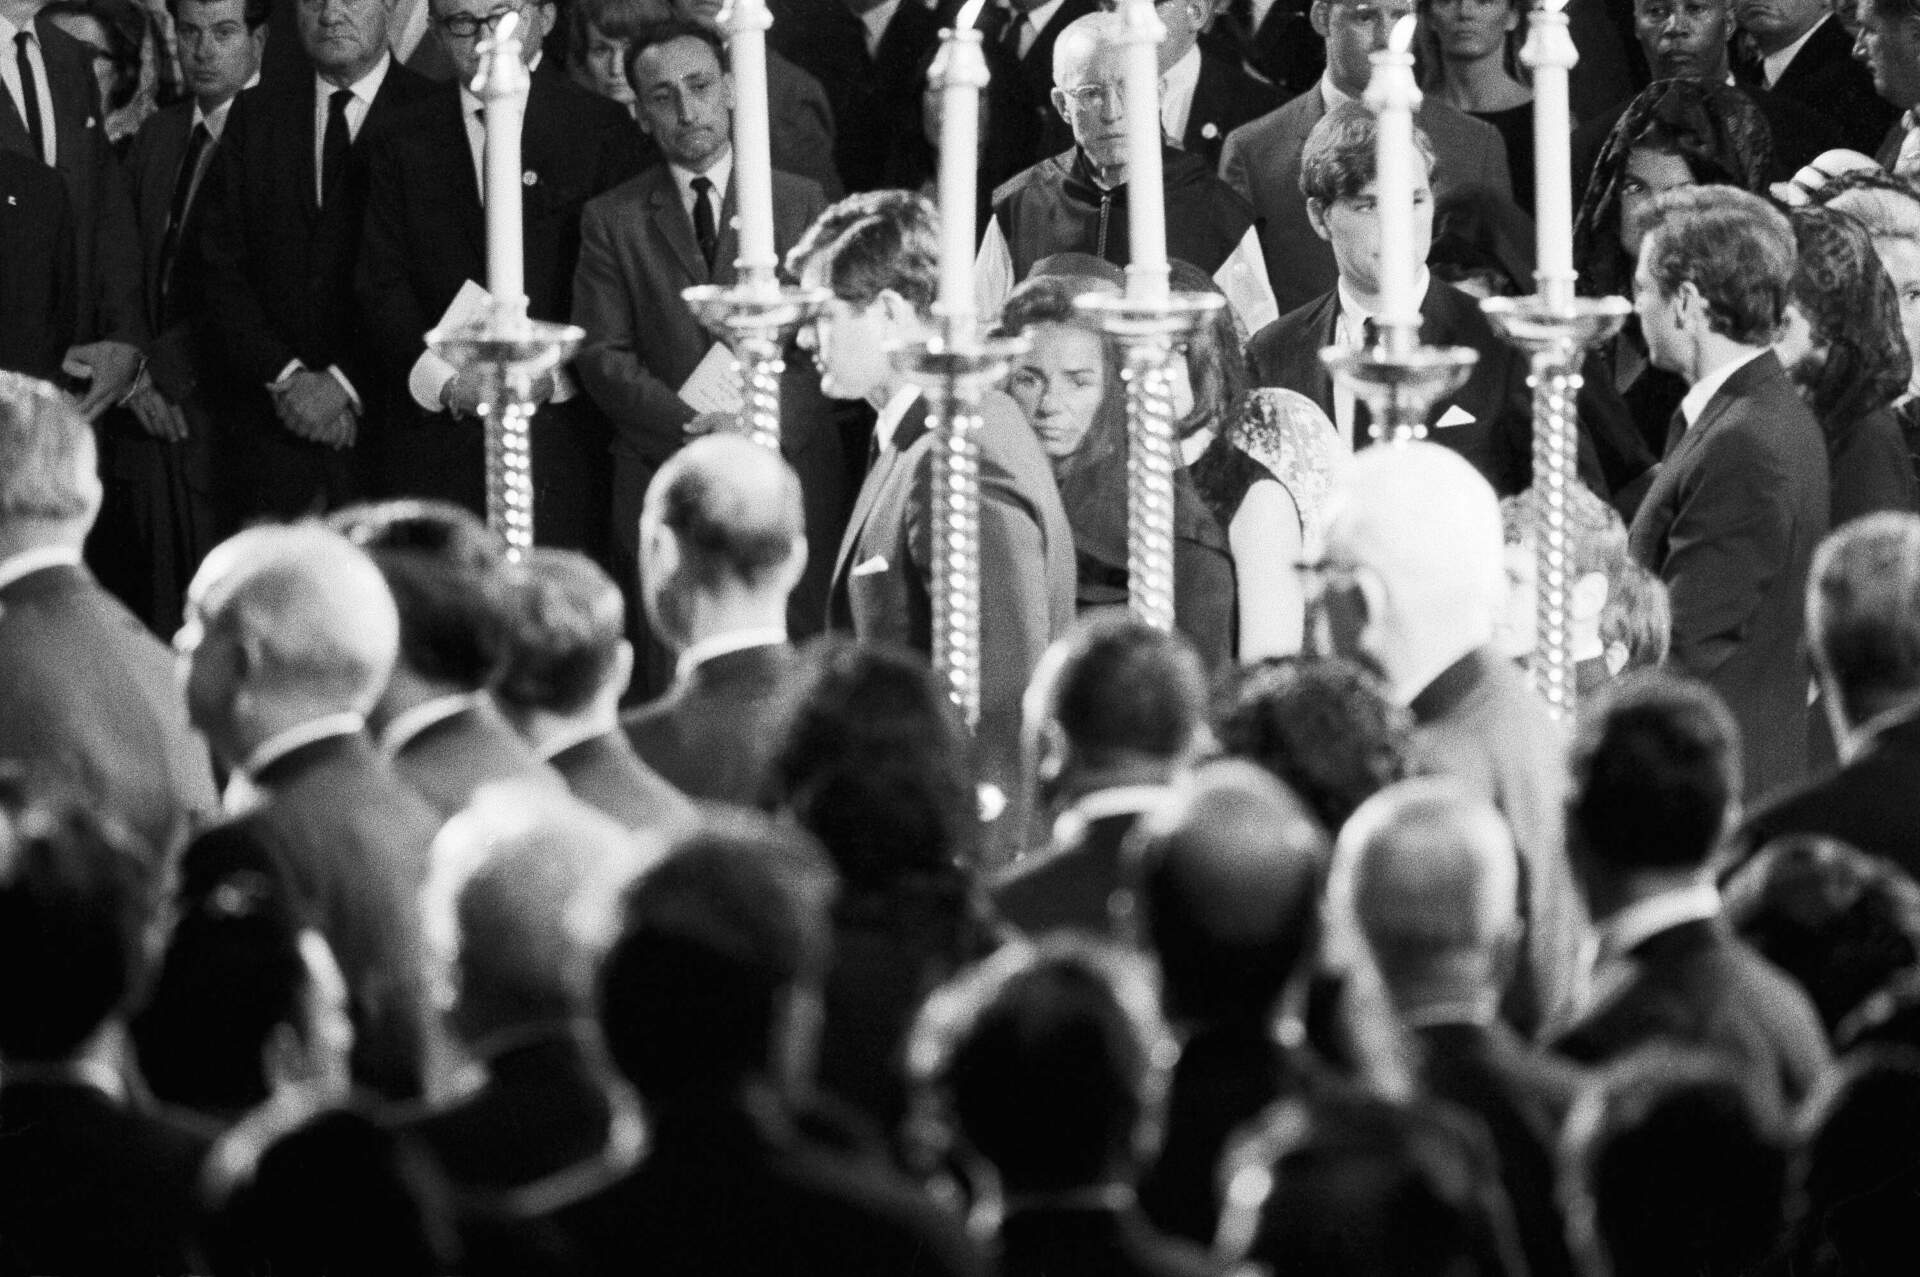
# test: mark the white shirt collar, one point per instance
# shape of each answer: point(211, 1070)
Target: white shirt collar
point(28, 562)
point(698, 654)
point(1774, 65)
point(891, 416)
point(1176, 94)
point(280, 744)
point(1355, 316)
point(364, 89)
point(1332, 97)
point(1627, 930)
point(410, 723)
point(1704, 389)
point(1120, 800)
point(720, 173)
point(875, 21)
point(216, 119)
point(561, 742)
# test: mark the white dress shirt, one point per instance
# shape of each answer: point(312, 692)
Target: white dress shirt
point(1350, 330)
point(363, 91)
point(1774, 65)
point(10, 73)
point(874, 24)
point(1704, 389)
point(1176, 95)
point(720, 173)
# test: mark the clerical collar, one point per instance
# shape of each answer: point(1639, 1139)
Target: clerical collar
point(281, 743)
point(27, 562)
point(1627, 929)
point(1702, 391)
point(892, 415)
point(697, 654)
point(410, 723)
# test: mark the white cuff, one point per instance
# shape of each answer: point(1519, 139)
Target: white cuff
point(428, 380)
point(293, 366)
point(992, 272)
point(353, 396)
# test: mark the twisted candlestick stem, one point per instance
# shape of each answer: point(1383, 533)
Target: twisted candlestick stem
point(1556, 381)
point(1150, 478)
point(761, 364)
point(508, 430)
point(956, 550)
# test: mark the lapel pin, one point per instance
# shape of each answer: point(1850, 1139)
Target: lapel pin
point(529, 177)
point(1209, 130)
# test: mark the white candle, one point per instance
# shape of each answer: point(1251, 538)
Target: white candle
point(502, 85)
point(1392, 95)
point(960, 73)
point(752, 151)
point(1550, 52)
point(1146, 201)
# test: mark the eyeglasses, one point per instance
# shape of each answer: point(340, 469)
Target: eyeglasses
point(1089, 97)
point(465, 26)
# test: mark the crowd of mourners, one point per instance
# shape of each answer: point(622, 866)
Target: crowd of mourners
point(375, 900)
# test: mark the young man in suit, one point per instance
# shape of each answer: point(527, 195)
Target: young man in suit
point(285, 367)
point(879, 256)
point(425, 237)
point(1262, 159)
point(1656, 772)
point(290, 636)
point(36, 266)
point(1800, 50)
point(722, 542)
point(641, 245)
point(1732, 518)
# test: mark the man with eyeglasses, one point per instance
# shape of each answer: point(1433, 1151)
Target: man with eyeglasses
point(286, 372)
point(425, 238)
point(1076, 202)
point(1261, 160)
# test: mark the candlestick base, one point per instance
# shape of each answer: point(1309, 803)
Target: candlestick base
point(756, 319)
point(510, 353)
point(1556, 336)
point(1399, 387)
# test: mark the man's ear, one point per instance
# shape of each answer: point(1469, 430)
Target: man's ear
point(1317, 17)
point(1317, 214)
point(1059, 99)
point(1589, 596)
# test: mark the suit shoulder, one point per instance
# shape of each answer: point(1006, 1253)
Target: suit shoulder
point(1290, 116)
point(796, 189)
point(1291, 326)
point(406, 84)
point(1051, 168)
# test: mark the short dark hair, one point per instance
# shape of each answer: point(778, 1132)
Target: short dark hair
point(1125, 689)
point(1654, 766)
point(651, 35)
point(446, 572)
point(872, 760)
point(710, 941)
point(566, 620)
point(76, 899)
point(252, 12)
point(874, 242)
point(1863, 611)
point(1340, 155)
point(1734, 247)
point(1323, 725)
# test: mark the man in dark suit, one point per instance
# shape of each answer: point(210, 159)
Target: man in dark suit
point(640, 247)
point(91, 1180)
point(1489, 420)
point(425, 237)
point(726, 931)
point(1731, 519)
point(1428, 871)
point(1118, 707)
point(877, 254)
point(1276, 41)
point(1889, 44)
point(285, 368)
point(36, 266)
point(1021, 123)
point(1655, 771)
point(871, 56)
point(1802, 51)
point(567, 664)
point(87, 695)
point(721, 544)
point(1860, 627)
point(56, 117)
point(436, 719)
point(1262, 159)
point(290, 634)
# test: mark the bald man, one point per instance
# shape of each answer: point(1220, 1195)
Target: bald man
point(723, 541)
point(289, 639)
point(1427, 871)
point(1226, 893)
point(1409, 578)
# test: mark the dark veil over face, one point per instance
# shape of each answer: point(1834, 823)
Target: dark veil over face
point(1715, 128)
point(1849, 301)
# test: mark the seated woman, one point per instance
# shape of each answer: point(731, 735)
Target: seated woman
point(1473, 66)
point(1068, 385)
point(1890, 210)
point(1675, 133)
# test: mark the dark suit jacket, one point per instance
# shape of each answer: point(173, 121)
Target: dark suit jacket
point(800, 126)
point(1826, 78)
point(91, 1185)
point(1730, 523)
point(882, 580)
point(1261, 160)
point(348, 840)
point(89, 698)
point(37, 265)
point(107, 254)
point(454, 757)
point(270, 274)
point(153, 165)
point(1867, 802)
point(425, 236)
point(710, 734)
point(1695, 985)
point(1022, 127)
point(605, 773)
point(875, 98)
point(1068, 886)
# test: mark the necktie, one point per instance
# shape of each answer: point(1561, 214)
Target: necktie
point(30, 95)
point(1010, 35)
point(705, 233)
point(183, 185)
point(335, 144)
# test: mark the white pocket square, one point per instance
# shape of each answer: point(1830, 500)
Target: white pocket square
point(878, 563)
point(1455, 415)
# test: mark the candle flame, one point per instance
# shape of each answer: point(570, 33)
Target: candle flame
point(969, 15)
point(1400, 40)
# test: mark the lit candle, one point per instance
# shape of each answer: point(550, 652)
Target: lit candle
point(502, 85)
point(960, 73)
point(752, 151)
point(1146, 203)
point(1551, 54)
point(1393, 96)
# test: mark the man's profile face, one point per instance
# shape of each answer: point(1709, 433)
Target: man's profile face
point(1780, 20)
point(1351, 227)
point(1684, 39)
point(218, 55)
point(343, 37)
point(848, 342)
point(685, 101)
point(1354, 31)
point(1091, 98)
point(464, 25)
point(1890, 46)
point(1655, 312)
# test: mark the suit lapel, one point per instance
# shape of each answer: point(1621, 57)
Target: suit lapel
point(308, 104)
point(674, 227)
point(1206, 105)
point(877, 482)
point(727, 248)
point(454, 153)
